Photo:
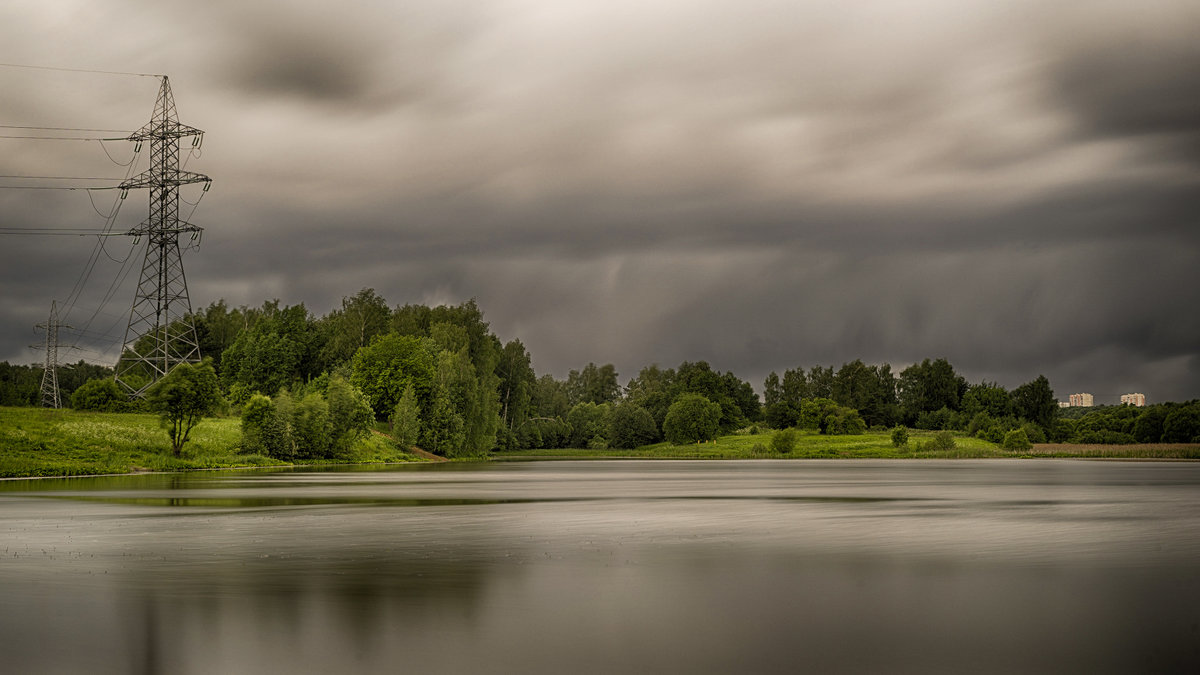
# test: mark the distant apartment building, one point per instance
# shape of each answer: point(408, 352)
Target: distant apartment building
point(1081, 400)
point(1138, 400)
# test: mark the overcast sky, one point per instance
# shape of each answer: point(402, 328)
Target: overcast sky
point(1014, 186)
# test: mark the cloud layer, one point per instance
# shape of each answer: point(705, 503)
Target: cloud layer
point(764, 185)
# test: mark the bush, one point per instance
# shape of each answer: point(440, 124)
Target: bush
point(843, 421)
point(899, 436)
point(692, 418)
point(783, 441)
point(943, 440)
point(631, 426)
point(99, 395)
point(263, 432)
point(1017, 439)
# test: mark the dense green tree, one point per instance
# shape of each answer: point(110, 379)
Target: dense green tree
point(1149, 425)
point(382, 370)
point(101, 395)
point(819, 383)
point(182, 398)
point(406, 419)
point(813, 412)
point(929, 386)
point(457, 381)
point(479, 411)
point(989, 398)
point(517, 384)
point(699, 378)
point(350, 415)
point(871, 390)
point(275, 352)
point(743, 395)
point(899, 436)
point(1035, 402)
point(20, 385)
point(353, 326)
point(692, 418)
point(630, 426)
point(1182, 425)
point(71, 376)
point(550, 398)
point(653, 390)
point(594, 384)
point(843, 421)
point(311, 428)
point(589, 424)
point(772, 397)
point(264, 432)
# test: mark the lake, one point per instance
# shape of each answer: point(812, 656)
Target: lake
point(987, 566)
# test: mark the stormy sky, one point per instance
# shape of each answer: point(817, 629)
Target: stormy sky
point(1014, 186)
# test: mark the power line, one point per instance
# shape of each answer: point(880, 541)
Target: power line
point(59, 231)
point(61, 177)
point(77, 70)
point(107, 131)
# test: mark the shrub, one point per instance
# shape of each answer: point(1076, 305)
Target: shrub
point(1017, 439)
point(843, 421)
point(783, 441)
point(631, 426)
point(899, 436)
point(690, 419)
point(263, 433)
point(99, 395)
point(943, 441)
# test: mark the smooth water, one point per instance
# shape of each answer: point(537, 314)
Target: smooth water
point(608, 567)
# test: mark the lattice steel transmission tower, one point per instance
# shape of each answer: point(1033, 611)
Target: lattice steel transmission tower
point(160, 334)
point(50, 397)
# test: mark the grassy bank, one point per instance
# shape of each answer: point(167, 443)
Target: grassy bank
point(809, 445)
point(871, 445)
point(44, 442)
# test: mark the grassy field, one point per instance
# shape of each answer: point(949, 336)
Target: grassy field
point(809, 445)
point(44, 442)
point(871, 445)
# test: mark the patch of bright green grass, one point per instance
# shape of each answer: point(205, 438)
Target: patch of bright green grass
point(44, 442)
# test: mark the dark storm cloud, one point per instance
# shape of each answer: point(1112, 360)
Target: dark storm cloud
point(763, 185)
point(1144, 82)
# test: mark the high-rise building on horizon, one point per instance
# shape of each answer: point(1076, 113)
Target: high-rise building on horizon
point(1138, 400)
point(1081, 400)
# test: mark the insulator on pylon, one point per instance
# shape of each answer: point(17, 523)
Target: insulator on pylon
point(207, 184)
point(137, 147)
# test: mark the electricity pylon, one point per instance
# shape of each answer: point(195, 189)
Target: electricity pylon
point(50, 397)
point(160, 334)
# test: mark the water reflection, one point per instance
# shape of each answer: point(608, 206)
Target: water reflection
point(609, 567)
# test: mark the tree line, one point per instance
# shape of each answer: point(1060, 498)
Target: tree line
point(440, 379)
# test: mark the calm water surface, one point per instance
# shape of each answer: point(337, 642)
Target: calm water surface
point(608, 567)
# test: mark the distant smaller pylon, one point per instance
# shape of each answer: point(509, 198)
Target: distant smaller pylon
point(50, 396)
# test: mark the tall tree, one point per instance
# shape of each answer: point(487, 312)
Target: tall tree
point(653, 390)
point(360, 319)
point(594, 384)
point(182, 398)
point(392, 362)
point(1035, 402)
point(929, 386)
point(517, 383)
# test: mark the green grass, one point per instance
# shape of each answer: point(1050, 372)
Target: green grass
point(809, 445)
point(44, 442)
